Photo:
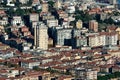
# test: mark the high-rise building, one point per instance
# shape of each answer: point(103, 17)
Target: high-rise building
point(93, 25)
point(64, 36)
point(41, 36)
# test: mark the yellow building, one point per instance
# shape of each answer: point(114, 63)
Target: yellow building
point(79, 24)
point(41, 36)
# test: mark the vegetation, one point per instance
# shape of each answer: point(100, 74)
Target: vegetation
point(109, 76)
point(51, 3)
point(21, 12)
point(18, 4)
point(11, 65)
point(36, 68)
point(109, 21)
point(80, 15)
point(52, 70)
point(30, 2)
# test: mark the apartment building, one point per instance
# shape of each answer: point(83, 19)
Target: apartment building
point(41, 36)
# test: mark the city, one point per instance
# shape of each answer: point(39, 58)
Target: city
point(59, 39)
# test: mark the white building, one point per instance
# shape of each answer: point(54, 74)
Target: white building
point(52, 23)
point(71, 8)
point(17, 20)
point(23, 1)
point(64, 36)
point(29, 64)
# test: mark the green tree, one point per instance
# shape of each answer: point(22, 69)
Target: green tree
point(80, 15)
point(38, 11)
point(36, 68)
point(102, 78)
point(51, 3)
point(109, 21)
point(30, 2)
point(20, 12)
point(11, 12)
point(117, 74)
point(18, 4)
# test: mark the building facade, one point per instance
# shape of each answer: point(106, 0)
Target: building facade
point(41, 36)
point(93, 25)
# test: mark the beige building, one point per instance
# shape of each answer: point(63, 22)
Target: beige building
point(41, 36)
point(52, 23)
point(93, 25)
point(44, 7)
point(91, 75)
point(34, 17)
point(97, 40)
point(79, 24)
point(58, 4)
point(102, 39)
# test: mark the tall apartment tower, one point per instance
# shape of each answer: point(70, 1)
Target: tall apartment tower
point(93, 25)
point(41, 36)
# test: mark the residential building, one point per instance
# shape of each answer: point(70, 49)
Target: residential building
point(112, 38)
point(93, 25)
point(4, 21)
point(29, 64)
point(113, 2)
point(79, 24)
point(58, 4)
point(45, 7)
point(103, 38)
point(97, 40)
point(33, 17)
point(41, 36)
point(79, 42)
point(47, 16)
point(91, 75)
point(64, 36)
point(17, 21)
point(35, 2)
point(34, 23)
point(23, 1)
point(71, 8)
point(86, 74)
point(52, 23)
point(94, 40)
point(6, 55)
